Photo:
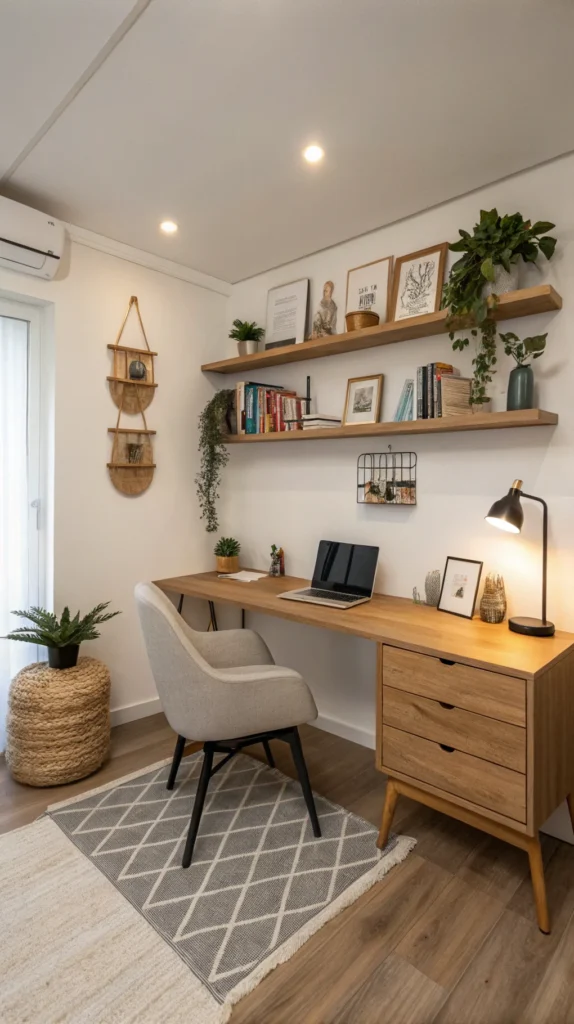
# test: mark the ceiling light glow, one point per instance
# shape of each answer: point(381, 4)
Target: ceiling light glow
point(169, 227)
point(313, 154)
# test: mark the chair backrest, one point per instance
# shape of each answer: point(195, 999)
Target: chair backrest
point(184, 679)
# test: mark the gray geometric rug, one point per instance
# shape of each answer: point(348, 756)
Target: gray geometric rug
point(259, 884)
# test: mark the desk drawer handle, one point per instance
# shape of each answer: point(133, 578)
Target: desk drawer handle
point(445, 661)
point(449, 750)
point(448, 707)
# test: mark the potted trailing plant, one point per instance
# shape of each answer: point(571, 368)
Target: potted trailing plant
point(213, 425)
point(227, 554)
point(521, 381)
point(62, 636)
point(496, 247)
point(247, 335)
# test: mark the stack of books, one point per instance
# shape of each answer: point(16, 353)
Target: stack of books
point(319, 421)
point(455, 395)
point(405, 405)
point(429, 389)
point(267, 409)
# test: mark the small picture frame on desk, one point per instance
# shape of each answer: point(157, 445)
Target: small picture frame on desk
point(459, 589)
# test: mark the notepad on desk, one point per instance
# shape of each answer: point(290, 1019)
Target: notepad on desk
point(244, 576)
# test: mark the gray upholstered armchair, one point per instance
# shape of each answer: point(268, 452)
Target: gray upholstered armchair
point(223, 689)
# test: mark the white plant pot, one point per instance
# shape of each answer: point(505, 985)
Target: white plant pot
point(247, 348)
point(503, 281)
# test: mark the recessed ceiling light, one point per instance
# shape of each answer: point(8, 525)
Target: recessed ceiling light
point(169, 227)
point(313, 154)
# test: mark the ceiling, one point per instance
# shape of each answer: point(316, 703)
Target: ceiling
point(122, 114)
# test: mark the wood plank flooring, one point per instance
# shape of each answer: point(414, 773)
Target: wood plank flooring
point(449, 936)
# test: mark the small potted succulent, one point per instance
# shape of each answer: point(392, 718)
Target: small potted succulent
point(62, 636)
point(247, 335)
point(521, 381)
point(227, 554)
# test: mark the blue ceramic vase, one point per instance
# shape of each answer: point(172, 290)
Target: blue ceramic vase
point(520, 388)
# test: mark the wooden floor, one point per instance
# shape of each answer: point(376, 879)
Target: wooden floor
point(449, 936)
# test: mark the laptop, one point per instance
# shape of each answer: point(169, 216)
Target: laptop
point(344, 576)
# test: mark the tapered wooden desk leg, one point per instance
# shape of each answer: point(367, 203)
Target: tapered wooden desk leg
point(570, 802)
point(538, 884)
point(391, 797)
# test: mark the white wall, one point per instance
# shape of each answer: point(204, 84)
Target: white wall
point(104, 542)
point(295, 494)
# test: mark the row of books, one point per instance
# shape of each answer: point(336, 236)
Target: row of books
point(266, 409)
point(436, 390)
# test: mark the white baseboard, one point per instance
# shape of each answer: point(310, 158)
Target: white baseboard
point(347, 732)
point(131, 712)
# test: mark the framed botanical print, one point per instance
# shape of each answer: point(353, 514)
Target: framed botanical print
point(363, 401)
point(460, 587)
point(418, 281)
point(369, 288)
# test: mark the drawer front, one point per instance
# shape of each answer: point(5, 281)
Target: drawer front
point(499, 742)
point(474, 689)
point(488, 785)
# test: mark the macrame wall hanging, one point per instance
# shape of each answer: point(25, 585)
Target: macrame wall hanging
point(132, 387)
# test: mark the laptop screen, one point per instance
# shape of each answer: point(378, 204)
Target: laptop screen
point(346, 568)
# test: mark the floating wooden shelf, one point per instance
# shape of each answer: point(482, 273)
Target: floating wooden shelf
point(541, 299)
point(129, 430)
point(443, 425)
point(126, 380)
point(130, 348)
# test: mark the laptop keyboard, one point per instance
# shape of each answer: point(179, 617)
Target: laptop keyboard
point(328, 595)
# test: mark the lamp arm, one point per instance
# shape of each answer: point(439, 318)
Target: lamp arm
point(541, 501)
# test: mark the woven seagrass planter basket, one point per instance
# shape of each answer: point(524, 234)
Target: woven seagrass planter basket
point(58, 727)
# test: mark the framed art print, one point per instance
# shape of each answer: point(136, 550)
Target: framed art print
point(369, 288)
point(363, 401)
point(460, 586)
point(287, 309)
point(418, 281)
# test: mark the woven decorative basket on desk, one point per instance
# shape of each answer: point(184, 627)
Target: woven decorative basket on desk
point(58, 727)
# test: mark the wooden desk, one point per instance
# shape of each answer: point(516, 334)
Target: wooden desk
point(471, 719)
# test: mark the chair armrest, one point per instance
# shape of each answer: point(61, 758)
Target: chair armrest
point(232, 648)
point(261, 698)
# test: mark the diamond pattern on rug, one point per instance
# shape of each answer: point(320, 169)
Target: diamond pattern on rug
point(258, 874)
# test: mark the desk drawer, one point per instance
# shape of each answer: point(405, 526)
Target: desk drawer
point(494, 741)
point(474, 689)
point(488, 785)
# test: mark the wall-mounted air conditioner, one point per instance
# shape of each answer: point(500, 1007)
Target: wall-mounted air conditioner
point(30, 242)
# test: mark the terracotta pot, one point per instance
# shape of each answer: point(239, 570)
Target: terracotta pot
point(227, 563)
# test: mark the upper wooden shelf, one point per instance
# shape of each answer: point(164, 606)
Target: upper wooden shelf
point(443, 425)
point(525, 302)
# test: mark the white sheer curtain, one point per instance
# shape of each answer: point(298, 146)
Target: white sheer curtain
point(14, 500)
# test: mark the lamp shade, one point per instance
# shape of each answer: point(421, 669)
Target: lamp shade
point(507, 513)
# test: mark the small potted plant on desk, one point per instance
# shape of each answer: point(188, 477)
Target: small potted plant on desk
point(62, 636)
point(227, 554)
point(521, 381)
point(247, 335)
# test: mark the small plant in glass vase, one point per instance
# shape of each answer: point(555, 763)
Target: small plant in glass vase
point(247, 335)
point(520, 393)
point(227, 554)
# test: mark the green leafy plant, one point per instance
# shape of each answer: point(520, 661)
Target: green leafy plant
point(227, 547)
point(495, 241)
point(243, 330)
point(214, 454)
point(520, 351)
point(49, 631)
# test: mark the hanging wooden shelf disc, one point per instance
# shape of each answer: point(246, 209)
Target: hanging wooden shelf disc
point(131, 479)
point(130, 430)
point(130, 348)
point(131, 396)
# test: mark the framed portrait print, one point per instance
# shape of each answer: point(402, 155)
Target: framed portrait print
point(460, 587)
point(369, 288)
point(418, 281)
point(363, 401)
point(287, 309)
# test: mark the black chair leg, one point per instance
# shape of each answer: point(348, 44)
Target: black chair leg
point(177, 756)
point(268, 754)
point(198, 803)
point(294, 741)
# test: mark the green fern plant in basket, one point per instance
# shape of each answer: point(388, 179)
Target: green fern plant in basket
point(61, 636)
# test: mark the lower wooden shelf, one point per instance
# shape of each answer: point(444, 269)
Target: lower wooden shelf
point(443, 425)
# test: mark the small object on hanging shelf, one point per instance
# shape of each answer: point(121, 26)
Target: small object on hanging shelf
point(275, 567)
point(131, 466)
point(493, 601)
point(432, 587)
point(387, 479)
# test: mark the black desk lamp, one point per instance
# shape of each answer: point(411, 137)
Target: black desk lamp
point(507, 514)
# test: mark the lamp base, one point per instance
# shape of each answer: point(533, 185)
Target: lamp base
point(531, 627)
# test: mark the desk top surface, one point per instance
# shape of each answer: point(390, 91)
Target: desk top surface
point(392, 620)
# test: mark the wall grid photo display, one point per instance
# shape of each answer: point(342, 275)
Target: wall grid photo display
point(369, 288)
point(460, 584)
point(418, 281)
point(363, 400)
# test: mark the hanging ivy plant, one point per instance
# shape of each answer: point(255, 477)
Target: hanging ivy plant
point(214, 455)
